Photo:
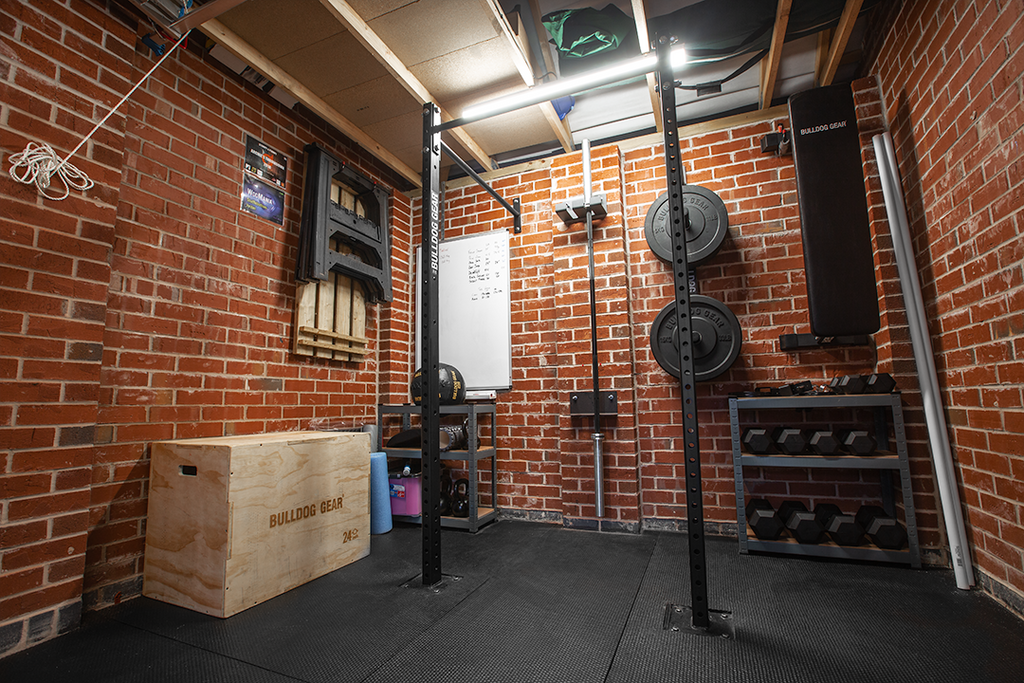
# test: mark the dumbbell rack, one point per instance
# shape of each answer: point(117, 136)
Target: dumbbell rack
point(478, 516)
point(886, 462)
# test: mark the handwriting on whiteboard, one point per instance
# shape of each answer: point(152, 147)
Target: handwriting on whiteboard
point(486, 271)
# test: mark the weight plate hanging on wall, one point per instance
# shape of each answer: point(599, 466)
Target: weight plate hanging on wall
point(715, 332)
point(707, 224)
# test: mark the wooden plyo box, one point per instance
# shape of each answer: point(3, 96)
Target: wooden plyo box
point(235, 521)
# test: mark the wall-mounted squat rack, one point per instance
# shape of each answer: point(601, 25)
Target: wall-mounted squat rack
point(702, 619)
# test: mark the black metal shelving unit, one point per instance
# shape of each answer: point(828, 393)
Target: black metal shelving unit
point(886, 461)
point(475, 452)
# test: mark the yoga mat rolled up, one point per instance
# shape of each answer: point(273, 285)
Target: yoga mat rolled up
point(380, 498)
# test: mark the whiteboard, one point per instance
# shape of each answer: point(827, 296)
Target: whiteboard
point(474, 308)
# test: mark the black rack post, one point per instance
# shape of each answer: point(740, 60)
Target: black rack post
point(680, 275)
point(430, 409)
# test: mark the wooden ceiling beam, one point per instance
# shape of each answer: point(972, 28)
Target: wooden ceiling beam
point(770, 65)
point(211, 10)
point(542, 31)
point(640, 19)
point(368, 38)
point(839, 39)
point(254, 58)
point(522, 64)
point(821, 54)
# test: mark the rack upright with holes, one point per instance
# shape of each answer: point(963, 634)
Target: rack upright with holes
point(472, 454)
point(886, 462)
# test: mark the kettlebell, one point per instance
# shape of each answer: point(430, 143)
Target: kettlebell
point(460, 498)
point(446, 495)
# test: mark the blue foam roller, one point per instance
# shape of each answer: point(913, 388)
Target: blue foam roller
point(380, 498)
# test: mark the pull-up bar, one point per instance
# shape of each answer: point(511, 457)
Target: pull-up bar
point(512, 208)
point(564, 86)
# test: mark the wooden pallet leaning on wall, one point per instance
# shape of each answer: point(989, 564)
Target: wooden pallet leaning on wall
point(330, 315)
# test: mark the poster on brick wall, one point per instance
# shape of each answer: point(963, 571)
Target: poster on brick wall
point(264, 162)
point(265, 171)
point(263, 200)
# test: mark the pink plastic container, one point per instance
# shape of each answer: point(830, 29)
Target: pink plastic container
point(406, 496)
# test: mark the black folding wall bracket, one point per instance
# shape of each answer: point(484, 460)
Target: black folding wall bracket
point(323, 220)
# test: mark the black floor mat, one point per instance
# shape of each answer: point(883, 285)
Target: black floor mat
point(535, 603)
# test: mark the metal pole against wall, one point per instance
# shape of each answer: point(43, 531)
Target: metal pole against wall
point(597, 436)
point(913, 301)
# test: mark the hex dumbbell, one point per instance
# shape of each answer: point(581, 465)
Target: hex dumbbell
point(857, 442)
point(801, 522)
point(848, 384)
point(883, 530)
point(763, 519)
point(789, 440)
point(757, 441)
point(879, 383)
point(841, 528)
point(822, 441)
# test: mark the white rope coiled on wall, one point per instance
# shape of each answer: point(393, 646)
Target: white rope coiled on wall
point(38, 163)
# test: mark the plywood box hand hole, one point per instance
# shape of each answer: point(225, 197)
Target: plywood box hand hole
point(235, 521)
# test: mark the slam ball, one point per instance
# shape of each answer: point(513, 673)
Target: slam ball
point(452, 385)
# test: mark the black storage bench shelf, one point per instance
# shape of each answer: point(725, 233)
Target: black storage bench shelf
point(885, 461)
point(478, 516)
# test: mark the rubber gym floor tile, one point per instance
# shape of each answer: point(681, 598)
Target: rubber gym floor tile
point(535, 603)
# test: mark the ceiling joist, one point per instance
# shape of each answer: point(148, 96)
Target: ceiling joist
point(839, 40)
point(640, 19)
point(770, 65)
point(251, 56)
point(350, 19)
point(522, 64)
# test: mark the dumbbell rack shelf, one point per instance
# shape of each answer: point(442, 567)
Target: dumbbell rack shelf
point(478, 516)
point(885, 461)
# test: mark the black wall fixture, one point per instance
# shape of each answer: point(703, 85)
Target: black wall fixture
point(323, 220)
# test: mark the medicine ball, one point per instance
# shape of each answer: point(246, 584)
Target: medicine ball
point(452, 385)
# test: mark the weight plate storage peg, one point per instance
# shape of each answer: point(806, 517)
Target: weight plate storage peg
point(715, 333)
point(707, 224)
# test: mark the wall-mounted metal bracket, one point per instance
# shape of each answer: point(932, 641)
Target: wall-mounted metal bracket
point(582, 403)
point(575, 210)
point(323, 220)
point(796, 342)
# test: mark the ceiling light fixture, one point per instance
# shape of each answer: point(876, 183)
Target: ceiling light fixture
point(566, 86)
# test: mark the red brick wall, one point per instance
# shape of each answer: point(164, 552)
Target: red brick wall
point(200, 311)
point(151, 308)
point(951, 80)
point(62, 67)
point(545, 453)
